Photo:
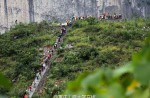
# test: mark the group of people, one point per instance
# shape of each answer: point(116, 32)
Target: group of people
point(45, 62)
point(75, 18)
point(103, 16)
point(110, 16)
point(59, 38)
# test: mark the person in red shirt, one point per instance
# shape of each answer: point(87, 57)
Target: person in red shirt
point(30, 87)
point(49, 56)
point(25, 96)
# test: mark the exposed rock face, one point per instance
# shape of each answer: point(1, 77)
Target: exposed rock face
point(12, 11)
point(63, 9)
point(132, 8)
point(128, 8)
point(15, 11)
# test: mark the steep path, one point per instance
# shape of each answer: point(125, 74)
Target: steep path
point(37, 83)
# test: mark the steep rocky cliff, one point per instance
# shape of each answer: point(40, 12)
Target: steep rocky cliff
point(128, 8)
point(15, 11)
point(134, 8)
point(11, 12)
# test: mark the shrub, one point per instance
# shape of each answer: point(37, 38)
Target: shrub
point(21, 33)
point(92, 21)
point(19, 47)
point(80, 24)
point(86, 53)
point(71, 58)
point(92, 28)
point(59, 51)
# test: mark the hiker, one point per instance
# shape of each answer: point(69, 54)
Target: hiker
point(62, 31)
point(48, 51)
point(79, 18)
point(34, 84)
point(49, 56)
point(111, 17)
point(25, 96)
point(45, 59)
point(55, 45)
point(52, 51)
point(114, 16)
point(30, 88)
point(76, 18)
point(15, 21)
point(72, 18)
point(67, 21)
point(40, 72)
point(120, 16)
point(60, 36)
point(58, 39)
point(43, 66)
point(37, 76)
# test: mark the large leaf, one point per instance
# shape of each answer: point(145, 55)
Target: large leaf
point(142, 63)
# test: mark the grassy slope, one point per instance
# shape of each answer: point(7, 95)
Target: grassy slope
point(19, 53)
point(95, 45)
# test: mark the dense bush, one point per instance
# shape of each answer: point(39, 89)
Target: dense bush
point(86, 22)
point(71, 58)
point(80, 24)
point(92, 21)
point(86, 53)
point(19, 52)
point(92, 28)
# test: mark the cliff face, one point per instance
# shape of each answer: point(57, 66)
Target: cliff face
point(12, 10)
point(128, 8)
point(15, 11)
point(133, 8)
point(63, 9)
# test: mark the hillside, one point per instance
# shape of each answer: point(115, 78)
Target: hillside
point(21, 54)
point(92, 44)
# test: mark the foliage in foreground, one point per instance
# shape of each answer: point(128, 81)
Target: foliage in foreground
point(129, 81)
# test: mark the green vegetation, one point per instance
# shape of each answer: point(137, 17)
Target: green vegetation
point(102, 45)
point(96, 45)
point(5, 84)
point(20, 57)
point(129, 81)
